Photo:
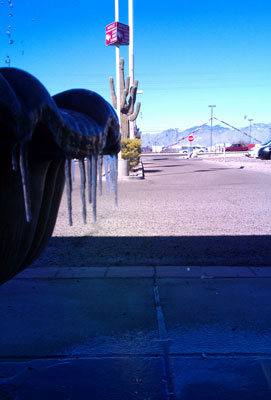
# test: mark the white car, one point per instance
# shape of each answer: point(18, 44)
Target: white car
point(254, 152)
point(197, 149)
point(185, 150)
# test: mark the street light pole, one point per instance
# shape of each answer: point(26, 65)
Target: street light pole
point(131, 55)
point(211, 139)
point(250, 120)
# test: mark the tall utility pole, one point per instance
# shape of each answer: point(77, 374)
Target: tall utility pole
point(211, 139)
point(131, 55)
point(117, 62)
point(250, 120)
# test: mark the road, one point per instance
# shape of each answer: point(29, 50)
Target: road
point(185, 212)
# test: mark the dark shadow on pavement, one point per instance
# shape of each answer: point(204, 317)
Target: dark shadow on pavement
point(186, 172)
point(158, 250)
point(173, 165)
point(210, 169)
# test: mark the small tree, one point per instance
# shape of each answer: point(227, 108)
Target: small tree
point(131, 150)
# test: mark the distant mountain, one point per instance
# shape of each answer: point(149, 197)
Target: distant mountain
point(220, 135)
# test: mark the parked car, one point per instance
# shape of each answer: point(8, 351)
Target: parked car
point(237, 147)
point(254, 152)
point(198, 149)
point(184, 150)
point(264, 152)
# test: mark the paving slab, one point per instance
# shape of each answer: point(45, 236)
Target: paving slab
point(204, 272)
point(130, 272)
point(41, 318)
point(219, 316)
point(262, 271)
point(37, 273)
point(95, 379)
point(82, 272)
point(222, 379)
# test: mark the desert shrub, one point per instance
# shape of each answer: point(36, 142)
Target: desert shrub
point(131, 150)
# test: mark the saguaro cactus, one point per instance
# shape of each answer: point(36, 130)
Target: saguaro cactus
point(128, 112)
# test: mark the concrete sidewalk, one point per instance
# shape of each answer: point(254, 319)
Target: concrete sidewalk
point(136, 333)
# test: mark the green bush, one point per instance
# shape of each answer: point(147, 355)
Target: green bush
point(131, 150)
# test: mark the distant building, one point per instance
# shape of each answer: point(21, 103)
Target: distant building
point(157, 149)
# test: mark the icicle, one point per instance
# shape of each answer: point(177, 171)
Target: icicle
point(94, 185)
point(111, 174)
point(68, 177)
point(107, 177)
point(83, 188)
point(14, 158)
point(73, 172)
point(114, 177)
point(100, 171)
point(25, 181)
point(89, 177)
point(115, 163)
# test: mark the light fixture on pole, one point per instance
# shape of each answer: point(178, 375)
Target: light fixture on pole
point(211, 138)
point(250, 120)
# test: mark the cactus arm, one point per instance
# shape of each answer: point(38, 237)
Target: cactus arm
point(113, 92)
point(132, 99)
point(135, 114)
point(121, 71)
point(127, 84)
point(124, 94)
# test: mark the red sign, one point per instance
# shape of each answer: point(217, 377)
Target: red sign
point(117, 34)
point(191, 138)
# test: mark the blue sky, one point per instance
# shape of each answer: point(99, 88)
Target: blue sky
point(188, 54)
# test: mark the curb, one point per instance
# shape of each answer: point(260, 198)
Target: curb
point(139, 173)
point(183, 272)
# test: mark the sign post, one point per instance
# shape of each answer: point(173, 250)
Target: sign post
point(117, 34)
point(190, 138)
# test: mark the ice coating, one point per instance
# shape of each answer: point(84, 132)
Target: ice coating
point(114, 177)
point(94, 186)
point(115, 159)
point(68, 179)
point(14, 158)
point(91, 173)
point(89, 178)
point(106, 171)
point(100, 171)
point(25, 181)
point(83, 189)
point(40, 137)
point(80, 124)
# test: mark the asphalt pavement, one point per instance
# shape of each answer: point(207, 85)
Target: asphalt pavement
point(162, 298)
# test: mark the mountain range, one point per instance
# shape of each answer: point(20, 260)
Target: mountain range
point(220, 135)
